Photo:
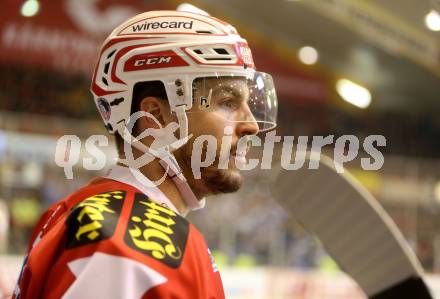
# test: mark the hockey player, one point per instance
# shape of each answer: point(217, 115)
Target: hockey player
point(163, 79)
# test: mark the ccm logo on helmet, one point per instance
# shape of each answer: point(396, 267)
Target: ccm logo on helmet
point(152, 60)
point(155, 60)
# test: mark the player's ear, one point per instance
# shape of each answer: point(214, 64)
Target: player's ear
point(154, 107)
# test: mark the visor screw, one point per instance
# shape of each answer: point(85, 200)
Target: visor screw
point(179, 92)
point(178, 82)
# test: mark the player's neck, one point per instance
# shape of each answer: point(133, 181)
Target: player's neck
point(154, 172)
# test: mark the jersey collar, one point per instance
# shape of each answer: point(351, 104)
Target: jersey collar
point(124, 175)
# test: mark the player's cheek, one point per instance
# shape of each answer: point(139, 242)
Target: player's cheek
point(211, 123)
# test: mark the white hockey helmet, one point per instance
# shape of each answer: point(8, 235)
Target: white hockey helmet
point(175, 48)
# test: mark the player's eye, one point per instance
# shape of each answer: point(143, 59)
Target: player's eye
point(230, 104)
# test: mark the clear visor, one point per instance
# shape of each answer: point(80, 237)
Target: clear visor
point(248, 99)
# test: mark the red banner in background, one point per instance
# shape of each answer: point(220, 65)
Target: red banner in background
point(64, 35)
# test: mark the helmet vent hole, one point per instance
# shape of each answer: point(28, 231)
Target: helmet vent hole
point(105, 81)
point(204, 31)
point(218, 58)
point(221, 51)
point(217, 53)
point(106, 66)
point(111, 54)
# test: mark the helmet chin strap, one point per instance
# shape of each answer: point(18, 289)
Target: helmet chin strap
point(166, 158)
point(174, 171)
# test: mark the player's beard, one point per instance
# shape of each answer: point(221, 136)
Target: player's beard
point(221, 180)
point(213, 180)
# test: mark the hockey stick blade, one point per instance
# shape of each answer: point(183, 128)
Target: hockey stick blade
point(354, 229)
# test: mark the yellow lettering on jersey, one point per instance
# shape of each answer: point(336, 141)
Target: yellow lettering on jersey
point(155, 236)
point(94, 207)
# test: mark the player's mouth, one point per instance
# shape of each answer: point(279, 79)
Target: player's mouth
point(240, 160)
point(240, 157)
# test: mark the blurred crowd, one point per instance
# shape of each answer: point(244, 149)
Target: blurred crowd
point(322, 120)
point(44, 92)
point(27, 189)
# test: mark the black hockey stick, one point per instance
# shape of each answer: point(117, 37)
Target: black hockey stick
point(354, 229)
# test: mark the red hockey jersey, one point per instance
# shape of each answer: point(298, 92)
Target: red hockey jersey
point(112, 240)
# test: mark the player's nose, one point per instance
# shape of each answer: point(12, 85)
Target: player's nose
point(247, 124)
point(247, 127)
